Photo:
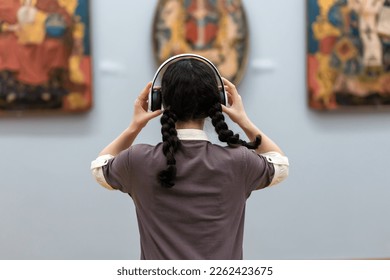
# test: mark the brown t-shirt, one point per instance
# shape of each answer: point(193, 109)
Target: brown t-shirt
point(202, 216)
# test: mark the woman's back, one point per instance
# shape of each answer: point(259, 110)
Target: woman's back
point(202, 217)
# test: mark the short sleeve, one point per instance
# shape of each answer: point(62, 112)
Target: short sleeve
point(259, 171)
point(116, 171)
point(281, 166)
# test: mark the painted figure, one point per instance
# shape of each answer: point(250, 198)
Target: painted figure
point(348, 59)
point(44, 55)
point(215, 29)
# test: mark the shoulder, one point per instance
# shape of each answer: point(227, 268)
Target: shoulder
point(134, 150)
point(240, 153)
point(141, 148)
point(240, 150)
point(143, 151)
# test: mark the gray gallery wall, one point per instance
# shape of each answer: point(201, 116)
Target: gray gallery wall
point(335, 204)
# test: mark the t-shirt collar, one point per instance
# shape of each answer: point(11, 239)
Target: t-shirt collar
point(192, 134)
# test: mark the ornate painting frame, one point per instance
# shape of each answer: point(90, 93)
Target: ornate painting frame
point(45, 56)
point(215, 29)
point(348, 54)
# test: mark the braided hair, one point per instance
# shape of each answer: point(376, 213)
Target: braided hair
point(189, 90)
point(225, 134)
point(170, 145)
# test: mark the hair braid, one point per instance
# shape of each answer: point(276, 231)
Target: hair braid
point(170, 145)
point(225, 134)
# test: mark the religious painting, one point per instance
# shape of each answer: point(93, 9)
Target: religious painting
point(45, 61)
point(215, 29)
point(348, 53)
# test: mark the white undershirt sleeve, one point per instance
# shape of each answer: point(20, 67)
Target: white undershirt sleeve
point(97, 170)
point(281, 166)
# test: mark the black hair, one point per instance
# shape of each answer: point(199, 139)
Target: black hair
point(189, 90)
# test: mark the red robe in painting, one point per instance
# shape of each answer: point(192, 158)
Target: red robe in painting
point(194, 24)
point(31, 62)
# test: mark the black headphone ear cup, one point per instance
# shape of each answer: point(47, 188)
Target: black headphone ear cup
point(156, 100)
point(222, 97)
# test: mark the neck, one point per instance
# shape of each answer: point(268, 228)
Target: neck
point(192, 124)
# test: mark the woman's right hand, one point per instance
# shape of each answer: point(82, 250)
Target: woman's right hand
point(141, 115)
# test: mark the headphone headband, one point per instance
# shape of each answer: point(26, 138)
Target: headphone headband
point(155, 96)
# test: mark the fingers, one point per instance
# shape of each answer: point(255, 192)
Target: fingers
point(155, 113)
point(144, 93)
point(231, 91)
point(229, 84)
point(142, 98)
point(225, 109)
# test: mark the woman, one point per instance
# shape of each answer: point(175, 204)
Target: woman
point(190, 194)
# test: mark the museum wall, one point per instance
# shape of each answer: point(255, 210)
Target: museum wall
point(334, 205)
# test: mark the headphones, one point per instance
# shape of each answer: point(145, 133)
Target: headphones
point(155, 97)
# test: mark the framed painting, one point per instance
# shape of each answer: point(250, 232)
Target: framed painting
point(45, 61)
point(215, 29)
point(348, 53)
